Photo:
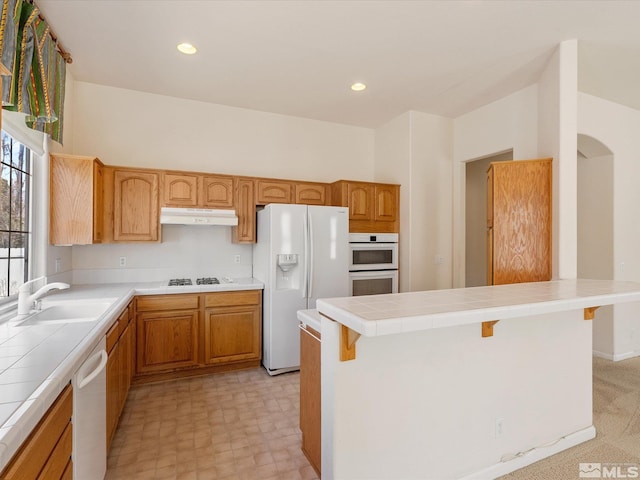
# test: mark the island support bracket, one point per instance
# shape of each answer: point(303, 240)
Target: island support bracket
point(590, 313)
point(487, 328)
point(348, 339)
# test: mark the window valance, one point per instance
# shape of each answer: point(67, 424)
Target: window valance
point(37, 82)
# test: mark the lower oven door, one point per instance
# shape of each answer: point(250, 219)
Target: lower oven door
point(373, 282)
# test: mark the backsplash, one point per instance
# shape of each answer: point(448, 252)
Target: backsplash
point(185, 251)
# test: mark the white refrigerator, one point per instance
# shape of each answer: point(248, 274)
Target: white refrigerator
point(301, 254)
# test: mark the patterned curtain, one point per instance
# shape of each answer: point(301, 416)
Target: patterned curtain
point(36, 86)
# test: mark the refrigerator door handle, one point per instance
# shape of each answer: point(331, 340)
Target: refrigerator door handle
point(305, 275)
point(310, 259)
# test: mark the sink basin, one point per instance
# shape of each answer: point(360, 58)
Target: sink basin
point(75, 312)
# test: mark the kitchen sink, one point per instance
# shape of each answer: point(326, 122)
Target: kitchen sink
point(74, 312)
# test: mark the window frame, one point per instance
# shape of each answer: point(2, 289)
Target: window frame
point(26, 172)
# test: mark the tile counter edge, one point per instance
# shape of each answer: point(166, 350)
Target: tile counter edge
point(416, 311)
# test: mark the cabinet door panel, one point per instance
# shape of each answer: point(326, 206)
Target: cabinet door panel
point(521, 221)
point(310, 194)
point(98, 202)
point(232, 334)
point(217, 192)
point(245, 202)
point(75, 200)
point(113, 393)
point(310, 393)
point(360, 202)
point(273, 192)
point(167, 340)
point(180, 190)
point(386, 208)
point(135, 215)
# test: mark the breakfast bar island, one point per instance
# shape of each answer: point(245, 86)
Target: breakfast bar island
point(462, 383)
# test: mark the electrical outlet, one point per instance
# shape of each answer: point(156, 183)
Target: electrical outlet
point(58, 264)
point(438, 259)
point(499, 427)
point(236, 259)
point(123, 261)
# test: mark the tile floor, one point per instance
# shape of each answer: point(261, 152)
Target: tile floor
point(237, 425)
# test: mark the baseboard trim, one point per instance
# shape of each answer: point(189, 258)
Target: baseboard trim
point(606, 356)
point(533, 456)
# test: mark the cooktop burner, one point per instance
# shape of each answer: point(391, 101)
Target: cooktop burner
point(207, 281)
point(179, 282)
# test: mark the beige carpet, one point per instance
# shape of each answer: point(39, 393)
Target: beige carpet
point(616, 416)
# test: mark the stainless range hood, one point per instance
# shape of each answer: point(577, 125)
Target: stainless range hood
point(197, 216)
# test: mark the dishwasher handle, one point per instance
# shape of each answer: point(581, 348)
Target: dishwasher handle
point(82, 376)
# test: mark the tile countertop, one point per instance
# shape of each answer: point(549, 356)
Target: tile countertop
point(410, 312)
point(38, 361)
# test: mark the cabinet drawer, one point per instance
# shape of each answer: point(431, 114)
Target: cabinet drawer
point(168, 302)
point(112, 335)
point(34, 453)
point(225, 299)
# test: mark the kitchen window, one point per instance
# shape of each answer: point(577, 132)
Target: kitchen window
point(15, 177)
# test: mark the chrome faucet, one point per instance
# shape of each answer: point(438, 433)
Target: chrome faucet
point(26, 299)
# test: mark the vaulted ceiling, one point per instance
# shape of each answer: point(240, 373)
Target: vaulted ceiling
point(300, 57)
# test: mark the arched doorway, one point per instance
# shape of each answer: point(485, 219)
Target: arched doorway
point(595, 229)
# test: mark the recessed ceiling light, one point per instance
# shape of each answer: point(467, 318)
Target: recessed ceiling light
point(187, 48)
point(358, 87)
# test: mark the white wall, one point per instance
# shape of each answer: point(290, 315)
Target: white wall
point(557, 138)
point(414, 150)
point(125, 127)
point(510, 123)
point(616, 126)
point(393, 163)
point(185, 252)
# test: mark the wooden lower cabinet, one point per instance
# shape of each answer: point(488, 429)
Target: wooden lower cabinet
point(310, 405)
point(120, 347)
point(167, 340)
point(46, 453)
point(232, 328)
point(180, 335)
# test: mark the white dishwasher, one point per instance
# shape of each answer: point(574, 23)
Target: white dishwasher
point(89, 416)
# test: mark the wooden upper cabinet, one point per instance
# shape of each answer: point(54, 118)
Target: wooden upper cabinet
point(273, 191)
point(135, 206)
point(360, 201)
point(519, 237)
point(217, 191)
point(180, 190)
point(373, 207)
point(245, 201)
point(311, 193)
point(76, 200)
point(386, 203)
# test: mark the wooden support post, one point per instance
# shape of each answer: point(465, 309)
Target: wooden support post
point(348, 339)
point(590, 313)
point(487, 328)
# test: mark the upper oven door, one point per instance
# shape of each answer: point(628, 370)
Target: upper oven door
point(373, 256)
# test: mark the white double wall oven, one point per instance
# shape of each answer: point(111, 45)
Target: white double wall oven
point(373, 263)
